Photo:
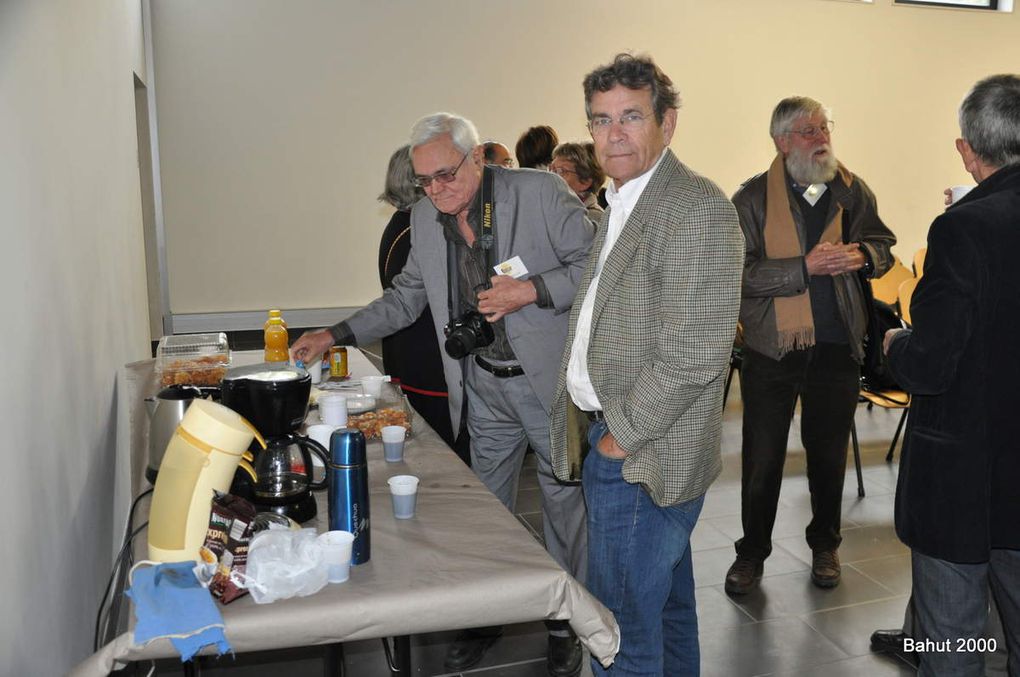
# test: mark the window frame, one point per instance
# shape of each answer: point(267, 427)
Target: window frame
point(992, 5)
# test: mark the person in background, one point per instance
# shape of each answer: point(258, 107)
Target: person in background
point(496, 153)
point(411, 356)
point(535, 147)
point(517, 321)
point(956, 495)
point(810, 226)
point(642, 376)
point(577, 165)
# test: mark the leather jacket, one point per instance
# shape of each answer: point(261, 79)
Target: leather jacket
point(766, 278)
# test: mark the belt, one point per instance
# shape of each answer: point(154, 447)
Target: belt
point(595, 416)
point(500, 372)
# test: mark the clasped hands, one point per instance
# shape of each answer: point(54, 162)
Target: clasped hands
point(827, 258)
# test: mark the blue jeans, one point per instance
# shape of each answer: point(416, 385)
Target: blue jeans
point(951, 611)
point(639, 567)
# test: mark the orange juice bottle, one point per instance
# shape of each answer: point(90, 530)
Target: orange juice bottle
point(275, 332)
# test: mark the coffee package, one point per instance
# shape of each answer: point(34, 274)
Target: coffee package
point(225, 550)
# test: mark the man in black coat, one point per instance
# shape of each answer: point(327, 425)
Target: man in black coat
point(956, 500)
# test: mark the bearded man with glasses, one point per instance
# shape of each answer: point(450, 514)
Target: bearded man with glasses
point(539, 243)
point(810, 227)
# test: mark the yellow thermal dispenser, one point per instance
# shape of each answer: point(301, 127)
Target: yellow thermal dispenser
point(203, 455)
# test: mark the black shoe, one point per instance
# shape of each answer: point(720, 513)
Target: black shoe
point(891, 642)
point(825, 569)
point(469, 647)
point(744, 576)
point(565, 655)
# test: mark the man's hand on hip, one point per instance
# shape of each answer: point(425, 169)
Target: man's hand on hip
point(506, 295)
point(610, 449)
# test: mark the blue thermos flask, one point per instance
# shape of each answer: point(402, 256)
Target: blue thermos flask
point(348, 490)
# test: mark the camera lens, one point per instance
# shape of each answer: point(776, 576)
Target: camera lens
point(460, 342)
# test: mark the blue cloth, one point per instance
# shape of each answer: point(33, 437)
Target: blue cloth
point(170, 602)
point(640, 568)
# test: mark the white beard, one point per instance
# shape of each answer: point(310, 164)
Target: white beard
point(805, 169)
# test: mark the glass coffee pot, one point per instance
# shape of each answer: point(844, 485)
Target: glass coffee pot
point(284, 471)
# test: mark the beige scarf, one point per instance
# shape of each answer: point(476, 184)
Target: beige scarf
point(794, 323)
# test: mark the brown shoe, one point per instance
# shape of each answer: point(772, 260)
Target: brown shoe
point(825, 569)
point(744, 576)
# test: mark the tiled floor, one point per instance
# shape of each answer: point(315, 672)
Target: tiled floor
point(787, 627)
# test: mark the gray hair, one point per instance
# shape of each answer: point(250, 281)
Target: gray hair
point(400, 191)
point(792, 108)
point(461, 130)
point(632, 72)
point(585, 163)
point(990, 120)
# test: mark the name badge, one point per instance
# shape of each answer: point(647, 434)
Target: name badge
point(514, 267)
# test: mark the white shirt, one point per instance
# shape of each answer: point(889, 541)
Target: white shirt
point(621, 203)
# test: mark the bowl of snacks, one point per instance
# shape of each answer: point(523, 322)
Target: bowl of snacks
point(371, 423)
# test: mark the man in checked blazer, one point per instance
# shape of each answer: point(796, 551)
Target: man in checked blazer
point(641, 381)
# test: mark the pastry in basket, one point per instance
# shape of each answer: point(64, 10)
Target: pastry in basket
point(371, 423)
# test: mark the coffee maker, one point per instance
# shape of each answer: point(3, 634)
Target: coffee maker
point(274, 397)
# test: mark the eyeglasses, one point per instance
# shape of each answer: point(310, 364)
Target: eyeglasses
point(444, 176)
point(508, 163)
point(561, 170)
point(600, 124)
point(813, 132)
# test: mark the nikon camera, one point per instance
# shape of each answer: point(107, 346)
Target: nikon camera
point(467, 332)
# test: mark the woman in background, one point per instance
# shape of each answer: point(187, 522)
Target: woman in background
point(534, 148)
point(411, 356)
point(576, 164)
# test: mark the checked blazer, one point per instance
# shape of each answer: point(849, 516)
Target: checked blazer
point(662, 330)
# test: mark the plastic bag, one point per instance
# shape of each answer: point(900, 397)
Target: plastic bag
point(284, 563)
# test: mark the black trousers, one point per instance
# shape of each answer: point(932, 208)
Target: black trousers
point(827, 380)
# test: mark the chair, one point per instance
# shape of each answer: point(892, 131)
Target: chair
point(906, 293)
point(887, 287)
point(736, 360)
point(919, 261)
point(887, 399)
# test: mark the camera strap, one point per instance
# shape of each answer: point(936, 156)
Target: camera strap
point(486, 240)
point(487, 237)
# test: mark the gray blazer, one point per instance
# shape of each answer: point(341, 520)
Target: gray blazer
point(537, 218)
point(662, 330)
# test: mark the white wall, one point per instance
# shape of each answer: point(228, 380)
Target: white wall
point(73, 299)
point(276, 119)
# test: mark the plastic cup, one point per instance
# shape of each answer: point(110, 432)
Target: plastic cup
point(958, 192)
point(393, 442)
point(404, 492)
point(336, 549)
point(333, 410)
point(315, 371)
point(321, 432)
point(372, 385)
